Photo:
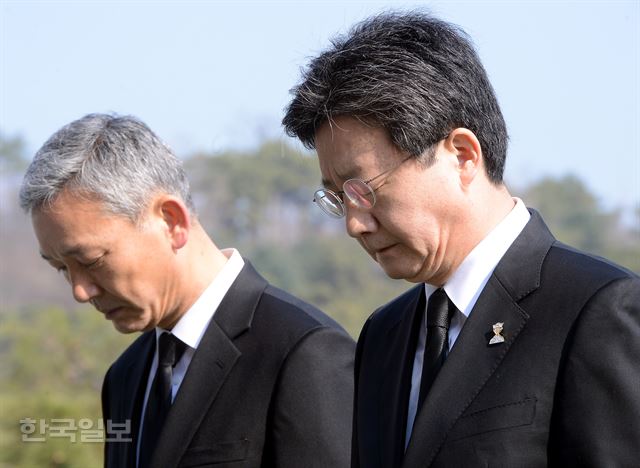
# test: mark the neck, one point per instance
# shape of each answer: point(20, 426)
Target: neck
point(495, 206)
point(199, 263)
point(481, 213)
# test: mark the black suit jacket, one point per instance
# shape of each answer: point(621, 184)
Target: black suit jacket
point(562, 390)
point(271, 384)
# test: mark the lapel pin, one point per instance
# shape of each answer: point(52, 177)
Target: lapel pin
point(497, 330)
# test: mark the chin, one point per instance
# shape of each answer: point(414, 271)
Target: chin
point(398, 273)
point(394, 274)
point(131, 327)
point(124, 329)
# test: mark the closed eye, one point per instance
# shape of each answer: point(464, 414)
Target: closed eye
point(94, 263)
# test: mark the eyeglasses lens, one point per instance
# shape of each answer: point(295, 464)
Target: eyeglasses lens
point(330, 203)
point(359, 193)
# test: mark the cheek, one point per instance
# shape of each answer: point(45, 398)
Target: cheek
point(131, 275)
point(417, 230)
point(153, 273)
point(403, 220)
point(146, 261)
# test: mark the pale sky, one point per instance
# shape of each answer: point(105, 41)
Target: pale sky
point(210, 76)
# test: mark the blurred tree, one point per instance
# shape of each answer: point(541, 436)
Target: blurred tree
point(576, 218)
point(240, 196)
point(12, 154)
point(53, 363)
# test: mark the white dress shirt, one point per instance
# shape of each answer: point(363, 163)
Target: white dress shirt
point(464, 288)
point(191, 327)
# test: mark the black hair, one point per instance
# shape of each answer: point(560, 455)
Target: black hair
point(412, 74)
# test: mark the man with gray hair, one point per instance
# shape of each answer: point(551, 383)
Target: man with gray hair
point(513, 349)
point(228, 370)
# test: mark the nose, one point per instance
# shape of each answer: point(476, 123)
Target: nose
point(359, 222)
point(83, 287)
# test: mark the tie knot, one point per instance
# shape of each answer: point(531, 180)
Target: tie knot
point(170, 350)
point(438, 309)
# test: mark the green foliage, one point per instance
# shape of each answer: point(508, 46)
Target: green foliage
point(575, 218)
point(53, 363)
point(45, 404)
point(236, 192)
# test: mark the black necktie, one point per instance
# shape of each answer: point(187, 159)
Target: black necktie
point(439, 312)
point(170, 350)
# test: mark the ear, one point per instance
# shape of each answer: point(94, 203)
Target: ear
point(176, 218)
point(465, 145)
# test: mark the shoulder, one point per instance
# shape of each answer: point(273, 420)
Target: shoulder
point(552, 258)
point(289, 319)
point(599, 283)
point(581, 273)
point(585, 266)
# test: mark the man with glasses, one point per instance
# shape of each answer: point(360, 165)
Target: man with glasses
point(228, 370)
point(513, 349)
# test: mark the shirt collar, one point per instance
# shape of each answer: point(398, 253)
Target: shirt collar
point(192, 325)
point(468, 281)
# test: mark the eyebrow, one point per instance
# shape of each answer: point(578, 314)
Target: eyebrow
point(350, 174)
point(72, 251)
point(326, 183)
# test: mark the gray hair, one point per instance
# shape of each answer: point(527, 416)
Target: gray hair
point(115, 159)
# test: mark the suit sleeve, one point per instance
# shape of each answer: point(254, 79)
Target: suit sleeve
point(313, 408)
point(597, 416)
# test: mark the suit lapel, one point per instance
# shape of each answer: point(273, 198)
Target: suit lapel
point(467, 368)
point(396, 369)
point(472, 360)
point(135, 384)
point(212, 362)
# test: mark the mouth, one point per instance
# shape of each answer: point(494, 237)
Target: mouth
point(374, 250)
point(384, 249)
point(108, 314)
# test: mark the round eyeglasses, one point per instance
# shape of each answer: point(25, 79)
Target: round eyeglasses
point(359, 193)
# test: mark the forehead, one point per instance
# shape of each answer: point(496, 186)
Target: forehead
point(348, 147)
point(71, 223)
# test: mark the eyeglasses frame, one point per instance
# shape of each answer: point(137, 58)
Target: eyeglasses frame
point(339, 195)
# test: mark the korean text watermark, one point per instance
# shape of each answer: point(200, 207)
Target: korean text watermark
point(76, 430)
